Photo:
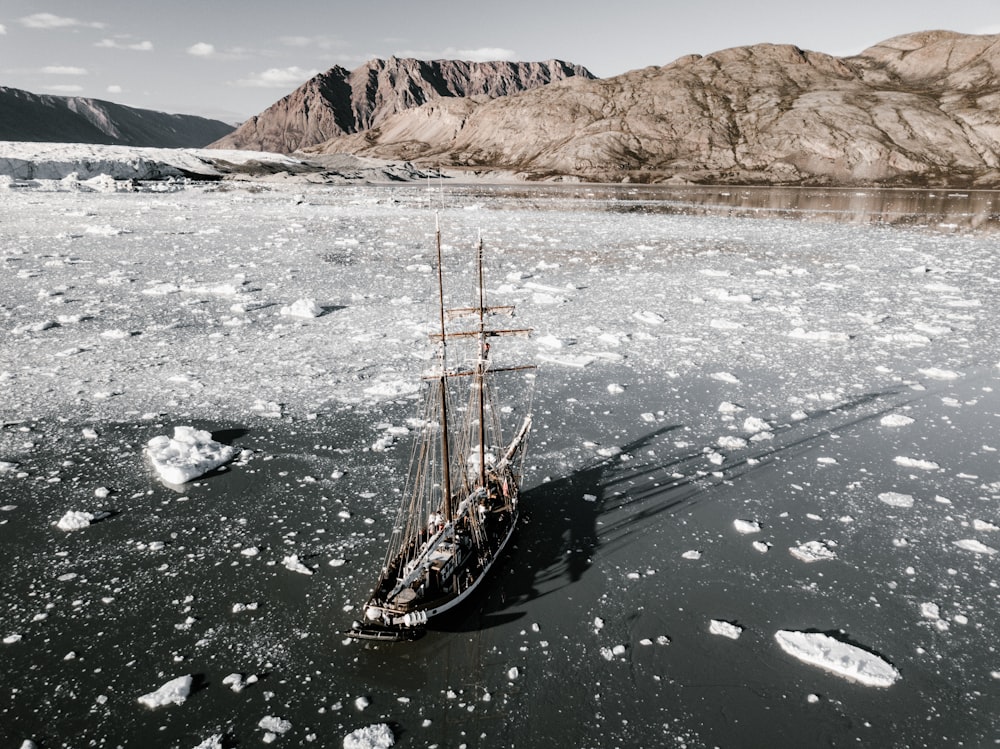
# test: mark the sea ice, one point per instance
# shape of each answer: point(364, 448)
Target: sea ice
point(813, 551)
point(896, 499)
point(190, 453)
point(725, 629)
point(174, 692)
point(274, 724)
point(212, 742)
point(377, 736)
point(746, 526)
point(935, 373)
point(292, 563)
point(74, 521)
point(840, 658)
point(923, 465)
point(895, 420)
point(970, 544)
point(304, 308)
point(729, 442)
point(753, 425)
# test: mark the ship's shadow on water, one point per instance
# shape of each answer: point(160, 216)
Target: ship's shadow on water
point(604, 505)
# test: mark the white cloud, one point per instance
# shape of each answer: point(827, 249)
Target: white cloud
point(3, 29)
point(52, 21)
point(114, 89)
point(63, 70)
point(201, 49)
point(278, 78)
point(65, 89)
point(482, 54)
point(321, 42)
point(144, 46)
point(206, 50)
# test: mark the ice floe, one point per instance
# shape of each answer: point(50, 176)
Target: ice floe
point(190, 453)
point(840, 658)
point(174, 692)
point(813, 551)
point(74, 520)
point(377, 736)
point(725, 629)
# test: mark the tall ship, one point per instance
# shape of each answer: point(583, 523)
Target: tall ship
point(460, 507)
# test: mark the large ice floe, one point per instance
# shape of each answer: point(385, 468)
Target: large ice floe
point(188, 454)
point(840, 658)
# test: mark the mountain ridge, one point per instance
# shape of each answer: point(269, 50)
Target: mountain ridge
point(916, 109)
point(44, 118)
point(340, 101)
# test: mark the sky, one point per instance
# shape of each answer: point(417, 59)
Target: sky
point(230, 59)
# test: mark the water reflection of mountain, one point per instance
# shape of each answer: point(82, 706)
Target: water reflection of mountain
point(935, 209)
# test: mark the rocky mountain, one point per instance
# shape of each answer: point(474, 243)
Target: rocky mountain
point(25, 116)
point(919, 109)
point(341, 101)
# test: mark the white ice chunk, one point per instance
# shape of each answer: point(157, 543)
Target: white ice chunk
point(190, 453)
point(212, 742)
point(895, 420)
point(970, 544)
point(292, 563)
point(725, 629)
point(746, 526)
point(840, 658)
point(930, 611)
point(74, 521)
point(753, 425)
point(729, 442)
point(174, 692)
point(812, 551)
point(923, 465)
point(896, 499)
point(935, 373)
point(302, 308)
point(274, 724)
point(377, 736)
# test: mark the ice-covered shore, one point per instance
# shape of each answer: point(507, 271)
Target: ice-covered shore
point(99, 167)
point(742, 427)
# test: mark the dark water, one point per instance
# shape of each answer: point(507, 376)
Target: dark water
point(941, 210)
point(136, 616)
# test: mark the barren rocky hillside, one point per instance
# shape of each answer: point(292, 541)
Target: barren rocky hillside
point(917, 109)
point(41, 118)
point(341, 101)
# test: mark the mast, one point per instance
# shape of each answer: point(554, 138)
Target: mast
point(442, 385)
point(481, 368)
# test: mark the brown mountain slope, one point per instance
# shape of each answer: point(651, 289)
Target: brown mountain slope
point(917, 109)
point(341, 101)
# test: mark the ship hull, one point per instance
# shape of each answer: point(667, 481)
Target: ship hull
point(410, 624)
